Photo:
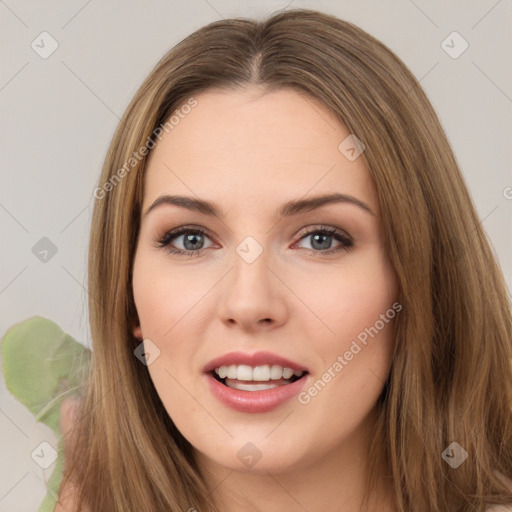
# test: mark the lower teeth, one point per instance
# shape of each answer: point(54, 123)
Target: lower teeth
point(254, 386)
point(250, 387)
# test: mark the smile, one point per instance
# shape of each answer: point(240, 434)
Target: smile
point(257, 378)
point(254, 382)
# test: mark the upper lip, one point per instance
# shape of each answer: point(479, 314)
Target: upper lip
point(256, 359)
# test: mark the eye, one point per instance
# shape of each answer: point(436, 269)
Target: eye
point(193, 240)
point(321, 239)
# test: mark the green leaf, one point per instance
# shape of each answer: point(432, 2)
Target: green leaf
point(42, 365)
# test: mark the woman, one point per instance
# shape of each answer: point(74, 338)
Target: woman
point(293, 303)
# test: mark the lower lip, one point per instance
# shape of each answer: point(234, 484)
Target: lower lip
point(254, 401)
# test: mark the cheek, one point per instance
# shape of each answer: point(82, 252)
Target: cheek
point(356, 355)
point(163, 300)
point(349, 300)
point(169, 311)
point(162, 307)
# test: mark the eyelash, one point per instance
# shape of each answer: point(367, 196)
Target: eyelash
point(168, 237)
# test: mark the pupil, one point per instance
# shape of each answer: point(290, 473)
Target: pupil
point(319, 235)
point(190, 238)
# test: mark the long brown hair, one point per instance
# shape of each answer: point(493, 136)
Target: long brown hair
point(451, 377)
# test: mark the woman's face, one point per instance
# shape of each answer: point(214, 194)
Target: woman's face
point(307, 288)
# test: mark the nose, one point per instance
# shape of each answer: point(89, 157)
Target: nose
point(253, 296)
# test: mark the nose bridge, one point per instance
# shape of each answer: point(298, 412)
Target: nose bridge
point(252, 292)
point(251, 274)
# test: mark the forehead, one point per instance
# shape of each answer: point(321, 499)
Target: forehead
point(249, 146)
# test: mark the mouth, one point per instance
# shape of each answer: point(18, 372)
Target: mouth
point(257, 378)
point(254, 383)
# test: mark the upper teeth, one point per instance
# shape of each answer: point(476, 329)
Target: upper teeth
point(260, 373)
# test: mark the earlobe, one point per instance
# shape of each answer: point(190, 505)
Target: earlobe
point(137, 332)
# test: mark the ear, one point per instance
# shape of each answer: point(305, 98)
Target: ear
point(137, 332)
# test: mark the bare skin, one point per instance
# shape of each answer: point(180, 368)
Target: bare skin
point(250, 155)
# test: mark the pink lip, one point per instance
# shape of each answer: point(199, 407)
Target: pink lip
point(256, 359)
point(254, 401)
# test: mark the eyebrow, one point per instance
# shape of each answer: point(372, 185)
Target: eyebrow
point(288, 209)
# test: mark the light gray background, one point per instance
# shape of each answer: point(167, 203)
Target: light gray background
point(59, 113)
